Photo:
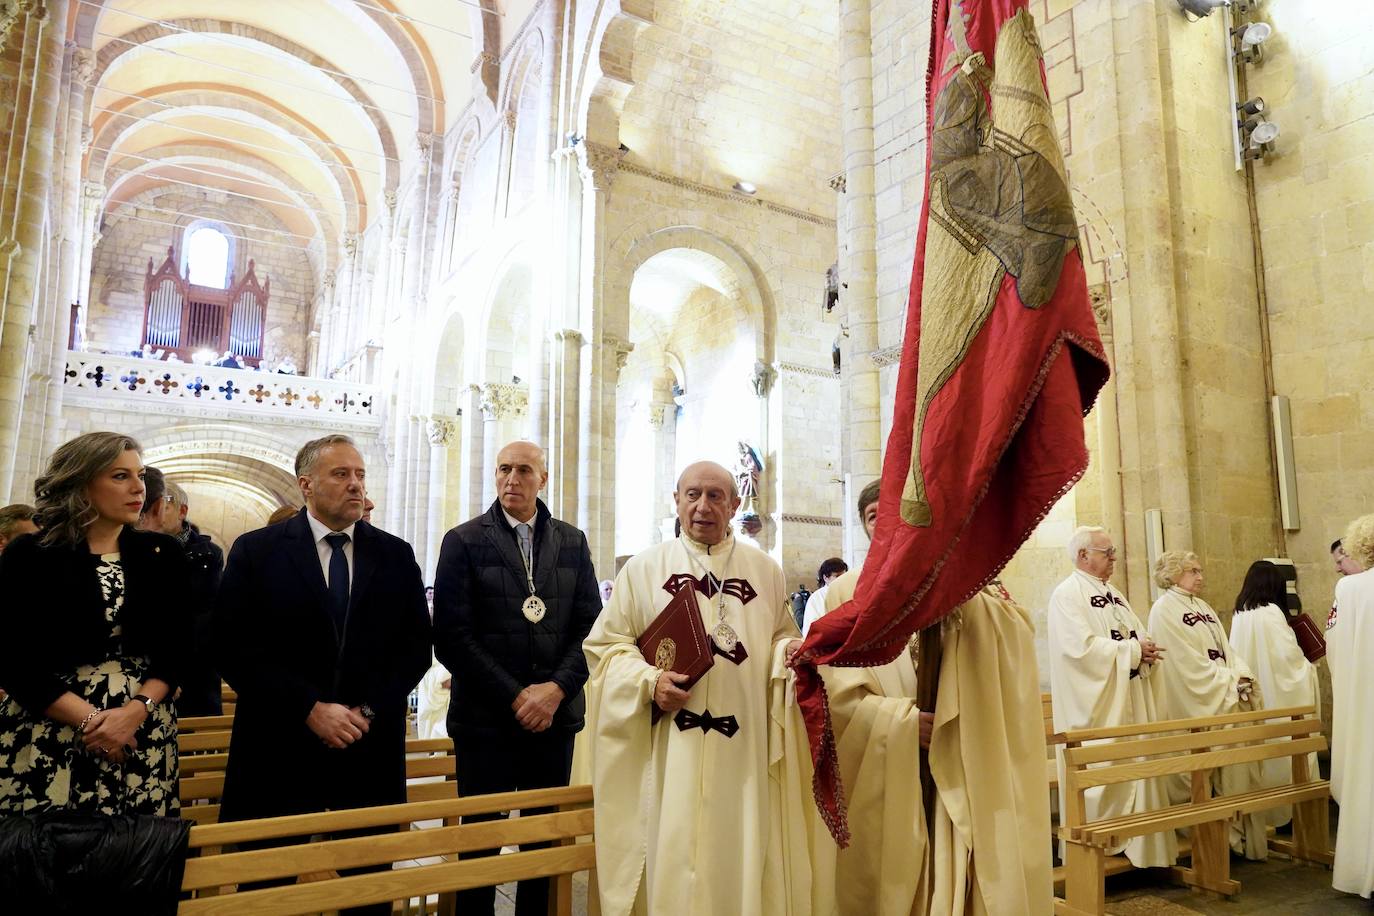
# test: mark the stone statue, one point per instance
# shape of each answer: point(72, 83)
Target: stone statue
point(750, 467)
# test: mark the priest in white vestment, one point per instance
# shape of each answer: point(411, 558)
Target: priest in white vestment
point(708, 811)
point(1205, 676)
point(1104, 667)
point(985, 850)
point(1350, 641)
point(1260, 634)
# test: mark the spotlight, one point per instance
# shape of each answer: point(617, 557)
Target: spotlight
point(1264, 133)
point(1252, 107)
point(1252, 36)
point(1201, 7)
point(745, 187)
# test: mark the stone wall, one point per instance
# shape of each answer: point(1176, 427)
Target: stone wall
point(135, 233)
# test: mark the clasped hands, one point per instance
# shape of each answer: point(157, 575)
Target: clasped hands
point(1151, 653)
point(110, 733)
point(534, 707)
point(337, 725)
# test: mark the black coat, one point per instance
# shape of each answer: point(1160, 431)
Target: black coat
point(482, 637)
point(52, 616)
point(278, 649)
point(200, 691)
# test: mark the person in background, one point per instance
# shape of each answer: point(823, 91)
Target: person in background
point(93, 644)
point(155, 500)
point(282, 513)
point(368, 506)
point(1261, 635)
point(16, 519)
point(830, 570)
point(201, 692)
point(606, 587)
point(1346, 565)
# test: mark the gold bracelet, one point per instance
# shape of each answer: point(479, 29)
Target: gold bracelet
point(81, 729)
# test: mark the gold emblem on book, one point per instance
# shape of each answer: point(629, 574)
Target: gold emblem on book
point(665, 654)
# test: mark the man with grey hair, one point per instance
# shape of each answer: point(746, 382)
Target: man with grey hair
point(515, 593)
point(700, 780)
point(322, 630)
point(200, 685)
point(15, 520)
point(1101, 662)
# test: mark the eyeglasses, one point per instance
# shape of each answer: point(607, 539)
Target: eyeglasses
point(1109, 551)
point(169, 498)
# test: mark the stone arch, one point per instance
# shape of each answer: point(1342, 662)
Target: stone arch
point(605, 77)
point(110, 53)
point(405, 41)
point(523, 109)
point(750, 286)
point(506, 308)
point(450, 365)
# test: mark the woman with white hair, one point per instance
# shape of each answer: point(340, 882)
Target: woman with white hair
point(1205, 677)
point(1350, 646)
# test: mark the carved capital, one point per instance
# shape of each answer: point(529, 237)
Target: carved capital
point(569, 336)
point(762, 378)
point(619, 347)
point(424, 142)
point(501, 401)
point(83, 66)
point(92, 192)
point(508, 121)
point(600, 164)
point(87, 138)
point(1101, 302)
point(349, 243)
point(440, 430)
point(657, 415)
point(389, 198)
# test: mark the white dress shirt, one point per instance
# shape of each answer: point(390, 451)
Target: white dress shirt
point(320, 530)
point(513, 522)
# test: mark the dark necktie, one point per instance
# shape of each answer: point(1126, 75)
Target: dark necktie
point(338, 580)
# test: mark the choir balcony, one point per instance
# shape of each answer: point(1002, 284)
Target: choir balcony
point(114, 382)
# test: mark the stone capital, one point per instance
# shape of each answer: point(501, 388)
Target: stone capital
point(440, 430)
point(658, 413)
point(349, 243)
point(390, 198)
point(83, 66)
point(619, 348)
point(483, 59)
point(501, 401)
point(570, 336)
point(600, 164)
point(508, 120)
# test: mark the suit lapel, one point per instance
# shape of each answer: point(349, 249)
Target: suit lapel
point(364, 561)
point(306, 558)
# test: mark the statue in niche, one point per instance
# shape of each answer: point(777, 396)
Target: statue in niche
point(750, 467)
point(830, 296)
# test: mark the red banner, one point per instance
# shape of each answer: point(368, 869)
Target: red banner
point(1000, 363)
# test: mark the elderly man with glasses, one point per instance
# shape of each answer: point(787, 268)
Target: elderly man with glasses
point(1101, 662)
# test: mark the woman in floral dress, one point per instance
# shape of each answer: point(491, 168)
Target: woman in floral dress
point(91, 640)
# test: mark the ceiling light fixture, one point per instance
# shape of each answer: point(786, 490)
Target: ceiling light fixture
point(746, 187)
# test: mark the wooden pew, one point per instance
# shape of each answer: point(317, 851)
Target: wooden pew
point(211, 873)
point(1197, 747)
point(431, 773)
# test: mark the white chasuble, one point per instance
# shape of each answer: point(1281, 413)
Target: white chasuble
point(708, 813)
point(1201, 677)
point(1352, 739)
point(1097, 680)
point(1264, 639)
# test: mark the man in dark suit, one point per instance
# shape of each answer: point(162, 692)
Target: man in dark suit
point(322, 631)
point(514, 596)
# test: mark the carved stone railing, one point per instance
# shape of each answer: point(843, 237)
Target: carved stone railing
point(185, 389)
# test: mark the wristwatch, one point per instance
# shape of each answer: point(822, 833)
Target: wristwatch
point(147, 701)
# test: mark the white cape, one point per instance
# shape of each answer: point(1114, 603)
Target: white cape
point(1352, 646)
point(1092, 654)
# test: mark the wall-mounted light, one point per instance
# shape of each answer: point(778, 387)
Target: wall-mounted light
point(1260, 140)
point(1251, 37)
point(1252, 107)
point(1201, 7)
point(746, 187)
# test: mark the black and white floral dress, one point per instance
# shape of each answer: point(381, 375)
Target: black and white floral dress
point(43, 764)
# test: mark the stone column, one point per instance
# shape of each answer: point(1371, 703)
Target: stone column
point(499, 402)
point(861, 402)
point(21, 253)
point(599, 492)
point(663, 421)
point(92, 202)
point(1108, 426)
point(506, 164)
point(386, 267)
point(565, 368)
point(473, 448)
point(441, 432)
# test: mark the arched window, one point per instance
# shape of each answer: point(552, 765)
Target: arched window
point(207, 256)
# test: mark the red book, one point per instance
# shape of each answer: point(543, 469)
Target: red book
point(1310, 639)
point(676, 639)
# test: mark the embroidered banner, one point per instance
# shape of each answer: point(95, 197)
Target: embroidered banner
point(1000, 362)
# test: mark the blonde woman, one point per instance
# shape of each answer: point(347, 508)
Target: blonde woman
point(1205, 676)
point(92, 643)
point(1350, 650)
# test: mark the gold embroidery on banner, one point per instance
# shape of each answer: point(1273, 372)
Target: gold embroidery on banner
point(999, 204)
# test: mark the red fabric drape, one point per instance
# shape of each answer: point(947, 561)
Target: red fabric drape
point(1002, 438)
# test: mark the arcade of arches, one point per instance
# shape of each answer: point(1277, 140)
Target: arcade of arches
point(607, 227)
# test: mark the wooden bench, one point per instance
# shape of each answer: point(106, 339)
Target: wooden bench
point(431, 773)
point(212, 874)
point(1197, 747)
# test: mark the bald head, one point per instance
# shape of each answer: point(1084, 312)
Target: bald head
point(707, 498)
point(520, 475)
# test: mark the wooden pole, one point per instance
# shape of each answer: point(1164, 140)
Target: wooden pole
point(929, 651)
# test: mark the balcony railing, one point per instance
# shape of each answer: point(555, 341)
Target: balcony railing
point(133, 383)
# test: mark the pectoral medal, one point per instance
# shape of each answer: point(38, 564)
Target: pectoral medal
point(533, 609)
point(725, 637)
